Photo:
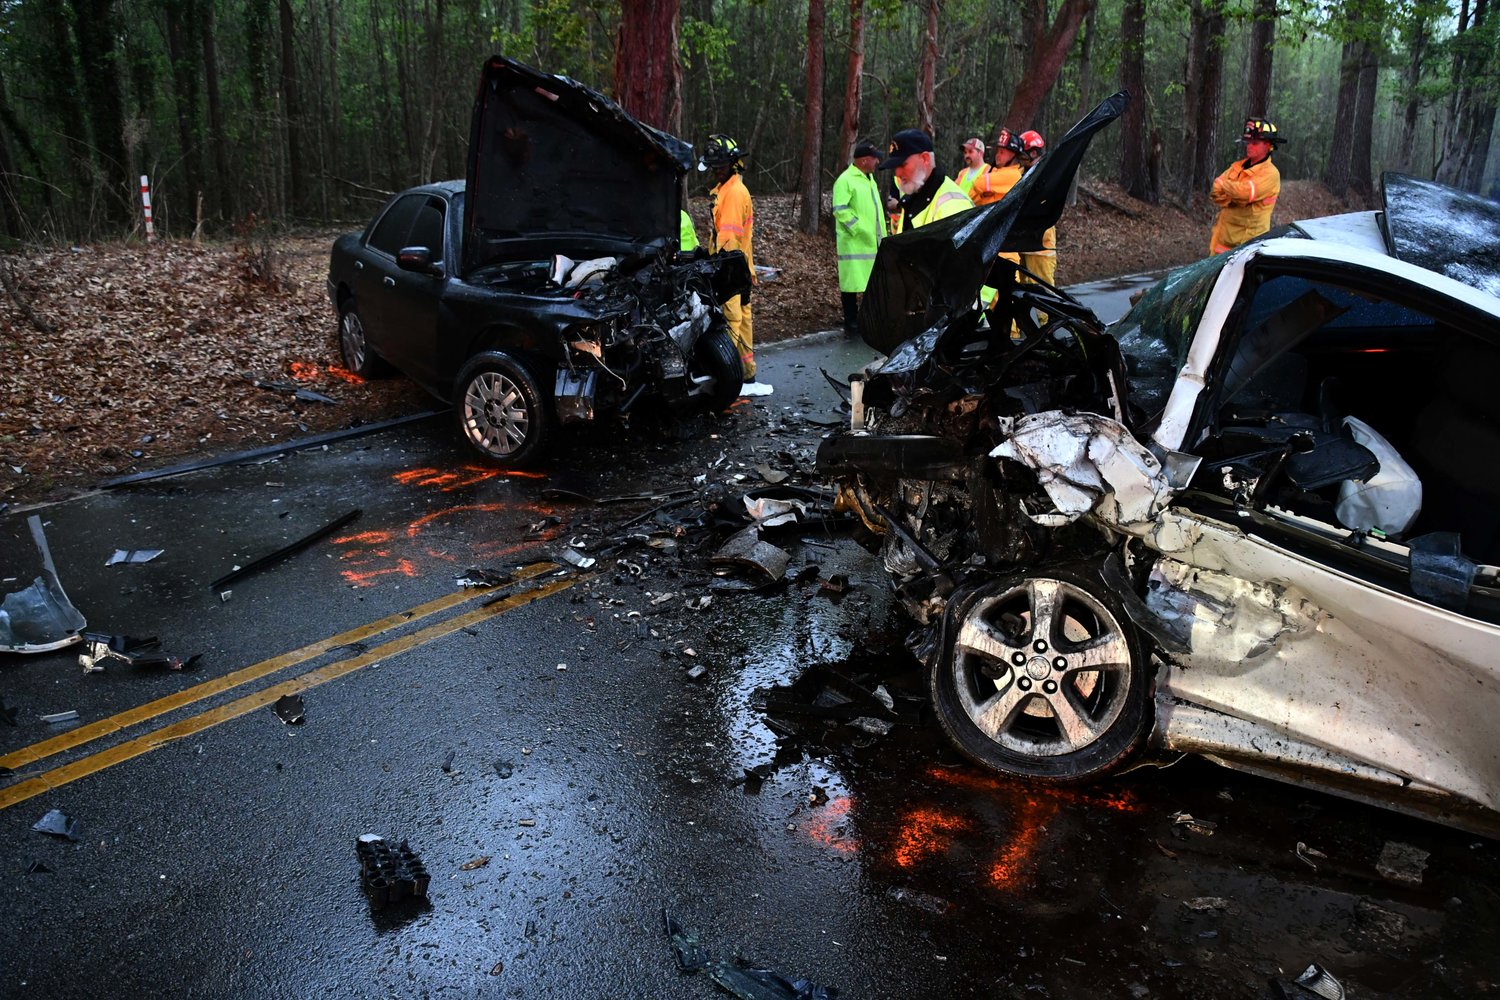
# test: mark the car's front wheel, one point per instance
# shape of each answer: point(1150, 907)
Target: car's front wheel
point(354, 347)
point(502, 411)
point(715, 357)
point(1044, 678)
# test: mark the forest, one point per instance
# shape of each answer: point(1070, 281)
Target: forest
point(248, 112)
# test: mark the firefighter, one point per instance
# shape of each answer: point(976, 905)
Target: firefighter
point(974, 167)
point(1000, 178)
point(733, 219)
point(687, 238)
point(1246, 192)
point(858, 226)
point(926, 195)
point(1043, 262)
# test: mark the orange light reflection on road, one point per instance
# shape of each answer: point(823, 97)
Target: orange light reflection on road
point(365, 538)
point(827, 825)
point(927, 832)
point(1029, 823)
point(415, 528)
point(367, 578)
point(1117, 800)
point(446, 480)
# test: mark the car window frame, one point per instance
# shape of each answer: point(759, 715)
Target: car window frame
point(374, 225)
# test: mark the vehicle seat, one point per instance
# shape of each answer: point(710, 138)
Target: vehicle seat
point(1455, 440)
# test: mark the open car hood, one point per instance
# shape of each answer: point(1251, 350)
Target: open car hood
point(1455, 233)
point(555, 167)
point(933, 272)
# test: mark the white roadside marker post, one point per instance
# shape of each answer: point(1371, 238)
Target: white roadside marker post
point(146, 207)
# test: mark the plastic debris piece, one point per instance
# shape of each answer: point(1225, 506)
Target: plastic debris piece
point(742, 981)
point(770, 475)
point(1402, 862)
point(448, 762)
point(1206, 904)
point(1194, 824)
point(56, 717)
point(133, 556)
point(284, 551)
point(290, 709)
point(478, 862)
point(390, 873)
point(58, 824)
point(574, 557)
point(1306, 854)
point(8, 714)
point(696, 671)
point(755, 777)
point(875, 727)
point(475, 577)
point(1314, 983)
point(39, 618)
point(744, 548)
point(100, 648)
point(37, 868)
point(504, 768)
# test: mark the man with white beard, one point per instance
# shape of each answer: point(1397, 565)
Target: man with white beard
point(926, 195)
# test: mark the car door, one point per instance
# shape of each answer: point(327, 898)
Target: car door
point(375, 272)
point(1365, 650)
point(409, 300)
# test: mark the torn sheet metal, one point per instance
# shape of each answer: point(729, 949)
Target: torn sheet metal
point(1240, 619)
point(744, 548)
point(132, 556)
point(768, 512)
point(1089, 463)
point(39, 618)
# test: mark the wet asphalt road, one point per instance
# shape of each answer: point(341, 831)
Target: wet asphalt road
point(563, 739)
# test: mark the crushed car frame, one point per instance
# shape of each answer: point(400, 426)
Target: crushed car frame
point(1257, 519)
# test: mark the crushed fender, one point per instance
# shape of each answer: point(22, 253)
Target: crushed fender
point(40, 618)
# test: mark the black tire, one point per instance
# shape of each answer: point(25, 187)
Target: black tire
point(502, 412)
point(715, 356)
point(354, 347)
point(1047, 717)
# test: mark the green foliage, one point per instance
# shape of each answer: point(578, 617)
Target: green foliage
point(708, 45)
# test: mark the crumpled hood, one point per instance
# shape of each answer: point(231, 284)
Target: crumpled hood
point(925, 275)
point(1455, 233)
point(554, 165)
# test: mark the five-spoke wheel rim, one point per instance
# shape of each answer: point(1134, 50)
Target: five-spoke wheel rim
point(496, 416)
point(352, 340)
point(1042, 669)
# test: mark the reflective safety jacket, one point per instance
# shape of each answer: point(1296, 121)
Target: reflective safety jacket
point(967, 177)
point(995, 184)
point(733, 219)
point(858, 226)
point(1246, 194)
point(948, 200)
point(687, 238)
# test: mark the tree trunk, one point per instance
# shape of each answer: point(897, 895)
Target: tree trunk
point(1416, 44)
point(1045, 55)
point(1471, 112)
point(853, 82)
point(63, 100)
point(1336, 175)
point(648, 74)
point(1201, 95)
point(1262, 51)
point(812, 123)
point(1135, 129)
point(222, 193)
point(291, 110)
point(1086, 67)
point(99, 59)
point(927, 73)
point(182, 47)
point(1364, 124)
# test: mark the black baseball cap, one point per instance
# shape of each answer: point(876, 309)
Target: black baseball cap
point(865, 149)
point(906, 143)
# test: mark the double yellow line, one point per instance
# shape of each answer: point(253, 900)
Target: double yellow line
point(84, 766)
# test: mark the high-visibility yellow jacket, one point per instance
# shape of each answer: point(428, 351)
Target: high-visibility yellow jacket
point(687, 239)
point(1246, 194)
point(995, 184)
point(967, 177)
point(949, 200)
point(734, 219)
point(858, 226)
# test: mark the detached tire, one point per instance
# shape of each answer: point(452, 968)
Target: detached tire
point(502, 412)
point(1063, 696)
point(354, 348)
point(715, 356)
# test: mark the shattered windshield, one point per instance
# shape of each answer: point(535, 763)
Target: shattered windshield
point(1157, 332)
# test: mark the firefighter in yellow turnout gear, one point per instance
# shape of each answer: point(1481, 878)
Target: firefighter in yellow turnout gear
point(926, 195)
point(734, 229)
point(1043, 262)
point(858, 228)
point(1246, 192)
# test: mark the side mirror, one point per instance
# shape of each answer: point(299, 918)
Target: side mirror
point(419, 260)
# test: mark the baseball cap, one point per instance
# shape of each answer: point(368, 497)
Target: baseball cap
point(906, 143)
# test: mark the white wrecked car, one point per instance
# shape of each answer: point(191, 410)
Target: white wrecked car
point(1258, 519)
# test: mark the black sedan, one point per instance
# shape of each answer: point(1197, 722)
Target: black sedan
point(547, 288)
